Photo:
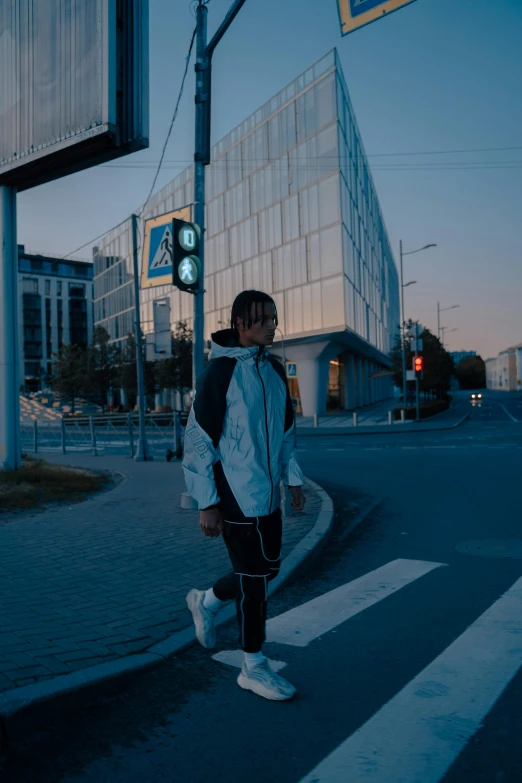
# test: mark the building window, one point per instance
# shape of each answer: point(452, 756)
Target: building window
point(78, 321)
point(30, 285)
point(59, 287)
point(48, 327)
point(60, 323)
point(77, 290)
point(48, 288)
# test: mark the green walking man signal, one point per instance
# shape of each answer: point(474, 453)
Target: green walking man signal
point(186, 266)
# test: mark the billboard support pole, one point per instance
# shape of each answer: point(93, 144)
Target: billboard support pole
point(10, 440)
point(142, 451)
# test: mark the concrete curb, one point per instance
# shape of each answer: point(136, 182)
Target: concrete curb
point(22, 700)
point(377, 429)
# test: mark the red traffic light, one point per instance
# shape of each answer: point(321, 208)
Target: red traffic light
point(418, 363)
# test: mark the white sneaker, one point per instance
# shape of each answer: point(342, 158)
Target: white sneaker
point(265, 682)
point(203, 619)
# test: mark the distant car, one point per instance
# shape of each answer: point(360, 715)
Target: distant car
point(475, 397)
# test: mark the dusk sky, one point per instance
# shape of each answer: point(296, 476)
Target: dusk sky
point(436, 89)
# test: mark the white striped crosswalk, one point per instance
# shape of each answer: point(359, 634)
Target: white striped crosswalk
point(300, 626)
point(419, 733)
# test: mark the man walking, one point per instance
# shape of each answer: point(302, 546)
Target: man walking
point(239, 445)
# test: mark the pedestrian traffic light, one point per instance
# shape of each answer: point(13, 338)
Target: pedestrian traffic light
point(418, 366)
point(186, 266)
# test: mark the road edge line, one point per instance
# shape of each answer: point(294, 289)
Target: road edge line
point(517, 421)
point(384, 429)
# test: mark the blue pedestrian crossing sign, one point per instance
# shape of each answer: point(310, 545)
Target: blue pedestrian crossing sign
point(357, 13)
point(157, 259)
point(291, 370)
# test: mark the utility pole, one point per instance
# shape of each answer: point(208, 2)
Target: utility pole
point(142, 452)
point(438, 320)
point(10, 438)
point(203, 97)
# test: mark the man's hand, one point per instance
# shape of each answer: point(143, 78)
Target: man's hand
point(211, 522)
point(298, 498)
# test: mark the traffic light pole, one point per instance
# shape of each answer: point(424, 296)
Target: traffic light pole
point(201, 143)
point(417, 384)
point(203, 68)
point(403, 335)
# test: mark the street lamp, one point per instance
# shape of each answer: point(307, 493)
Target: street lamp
point(442, 310)
point(445, 329)
point(403, 331)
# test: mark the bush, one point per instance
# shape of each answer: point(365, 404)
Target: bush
point(427, 409)
point(38, 483)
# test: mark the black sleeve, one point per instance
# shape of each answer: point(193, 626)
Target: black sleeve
point(210, 402)
point(289, 411)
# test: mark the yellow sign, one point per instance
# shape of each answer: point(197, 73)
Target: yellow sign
point(156, 267)
point(357, 13)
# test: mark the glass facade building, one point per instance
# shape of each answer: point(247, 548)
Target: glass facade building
point(55, 309)
point(291, 210)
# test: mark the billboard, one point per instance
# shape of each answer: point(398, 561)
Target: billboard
point(73, 86)
point(357, 13)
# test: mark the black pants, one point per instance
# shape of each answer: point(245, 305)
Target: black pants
point(254, 547)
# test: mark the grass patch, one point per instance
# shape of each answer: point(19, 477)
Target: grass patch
point(38, 483)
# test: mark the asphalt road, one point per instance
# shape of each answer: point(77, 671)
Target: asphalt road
point(410, 675)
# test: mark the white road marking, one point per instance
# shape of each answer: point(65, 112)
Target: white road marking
point(409, 448)
point(236, 657)
point(334, 449)
point(420, 732)
point(301, 625)
point(507, 412)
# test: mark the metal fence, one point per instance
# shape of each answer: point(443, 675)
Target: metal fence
point(115, 434)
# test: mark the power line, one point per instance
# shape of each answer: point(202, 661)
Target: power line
point(312, 162)
point(187, 61)
point(92, 241)
point(180, 94)
point(357, 157)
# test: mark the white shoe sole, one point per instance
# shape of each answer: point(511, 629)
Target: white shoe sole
point(208, 641)
point(259, 689)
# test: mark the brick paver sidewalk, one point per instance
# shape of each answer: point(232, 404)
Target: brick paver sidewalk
point(88, 583)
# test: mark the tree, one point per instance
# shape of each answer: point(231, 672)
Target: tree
point(471, 373)
point(176, 372)
point(102, 364)
point(70, 372)
point(438, 364)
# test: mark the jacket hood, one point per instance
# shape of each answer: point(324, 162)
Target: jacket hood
point(225, 343)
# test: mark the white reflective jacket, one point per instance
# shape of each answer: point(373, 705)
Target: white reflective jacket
point(240, 435)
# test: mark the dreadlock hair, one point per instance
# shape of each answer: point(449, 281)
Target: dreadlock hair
point(243, 306)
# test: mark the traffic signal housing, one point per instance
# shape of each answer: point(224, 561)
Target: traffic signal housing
point(186, 266)
point(418, 366)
